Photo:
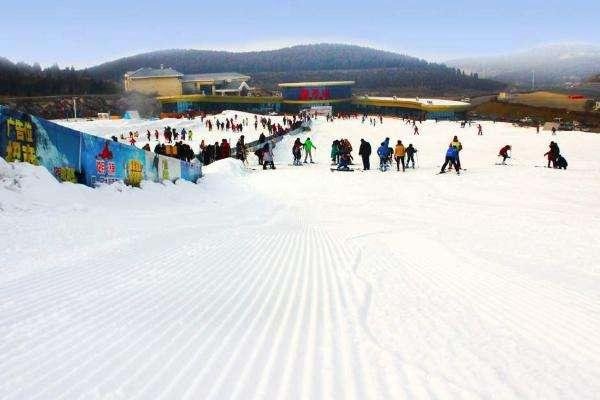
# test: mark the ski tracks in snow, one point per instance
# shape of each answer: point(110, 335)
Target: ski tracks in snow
point(273, 311)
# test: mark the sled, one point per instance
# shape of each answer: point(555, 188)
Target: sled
point(341, 170)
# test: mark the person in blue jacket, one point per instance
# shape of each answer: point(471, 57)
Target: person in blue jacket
point(451, 156)
point(382, 152)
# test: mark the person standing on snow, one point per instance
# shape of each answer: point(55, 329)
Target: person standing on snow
point(225, 149)
point(268, 155)
point(504, 153)
point(451, 155)
point(240, 149)
point(458, 146)
point(308, 146)
point(297, 152)
point(335, 152)
point(365, 152)
point(399, 153)
point(410, 155)
point(553, 154)
point(382, 152)
point(479, 130)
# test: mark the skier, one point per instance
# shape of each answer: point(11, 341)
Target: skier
point(479, 130)
point(297, 152)
point(399, 152)
point(308, 146)
point(451, 155)
point(345, 160)
point(148, 135)
point(458, 146)
point(504, 153)
point(190, 135)
point(365, 152)
point(382, 152)
point(416, 131)
point(410, 155)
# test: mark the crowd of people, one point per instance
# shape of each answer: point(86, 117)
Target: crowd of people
point(175, 143)
point(402, 156)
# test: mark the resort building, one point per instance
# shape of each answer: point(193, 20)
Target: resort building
point(215, 92)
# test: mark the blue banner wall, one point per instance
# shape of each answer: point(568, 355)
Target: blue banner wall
point(73, 156)
point(190, 171)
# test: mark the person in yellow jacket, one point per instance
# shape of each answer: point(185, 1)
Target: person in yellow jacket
point(458, 146)
point(399, 153)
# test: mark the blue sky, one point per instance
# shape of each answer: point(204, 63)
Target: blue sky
point(83, 33)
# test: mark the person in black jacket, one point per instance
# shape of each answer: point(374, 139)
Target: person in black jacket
point(410, 155)
point(365, 152)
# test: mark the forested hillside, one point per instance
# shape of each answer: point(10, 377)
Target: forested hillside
point(373, 70)
point(31, 80)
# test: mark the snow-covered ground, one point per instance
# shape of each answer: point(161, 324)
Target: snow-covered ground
point(107, 128)
point(304, 283)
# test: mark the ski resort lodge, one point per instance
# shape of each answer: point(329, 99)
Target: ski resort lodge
point(215, 92)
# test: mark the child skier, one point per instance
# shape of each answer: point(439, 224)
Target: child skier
point(410, 155)
point(504, 153)
point(451, 155)
point(297, 152)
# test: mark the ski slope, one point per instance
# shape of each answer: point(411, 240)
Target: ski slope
point(107, 128)
point(301, 283)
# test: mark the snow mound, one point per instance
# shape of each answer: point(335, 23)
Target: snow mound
point(23, 184)
point(228, 168)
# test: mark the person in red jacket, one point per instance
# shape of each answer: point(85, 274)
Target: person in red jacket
point(225, 149)
point(504, 153)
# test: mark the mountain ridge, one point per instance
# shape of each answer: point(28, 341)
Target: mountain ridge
point(554, 64)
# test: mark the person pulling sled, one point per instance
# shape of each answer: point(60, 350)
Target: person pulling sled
point(504, 153)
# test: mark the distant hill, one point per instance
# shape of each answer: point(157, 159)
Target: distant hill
point(21, 79)
point(554, 65)
point(373, 70)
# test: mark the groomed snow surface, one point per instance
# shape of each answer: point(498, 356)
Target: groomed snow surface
point(301, 283)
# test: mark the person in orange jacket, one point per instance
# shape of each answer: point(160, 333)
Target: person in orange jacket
point(399, 153)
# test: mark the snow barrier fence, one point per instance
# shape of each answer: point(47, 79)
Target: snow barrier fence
point(73, 156)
